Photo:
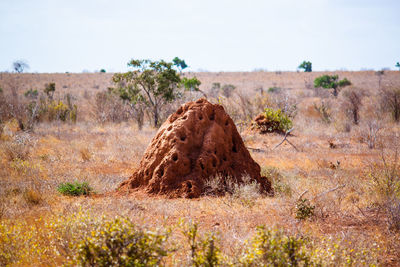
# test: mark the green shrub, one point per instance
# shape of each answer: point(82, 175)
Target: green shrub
point(202, 252)
point(120, 243)
point(57, 111)
point(304, 209)
point(75, 189)
point(274, 248)
point(273, 121)
point(331, 82)
point(274, 89)
point(31, 93)
point(306, 65)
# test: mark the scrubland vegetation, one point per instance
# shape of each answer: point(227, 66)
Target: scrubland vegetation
point(67, 140)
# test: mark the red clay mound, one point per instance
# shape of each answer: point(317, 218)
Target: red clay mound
point(197, 142)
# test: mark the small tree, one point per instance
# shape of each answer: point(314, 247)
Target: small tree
point(390, 100)
point(179, 63)
point(306, 65)
point(397, 65)
point(352, 103)
point(331, 82)
point(151, 84)
point(103, 71)
point(20, 65)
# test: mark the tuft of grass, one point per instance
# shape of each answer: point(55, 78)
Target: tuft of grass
point(280, 182)
point(75, 189)
point(245, 193)
point(32, 197)
point(85, 154)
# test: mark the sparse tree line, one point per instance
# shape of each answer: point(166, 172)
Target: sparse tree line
point(152, 90)
point(36, 106)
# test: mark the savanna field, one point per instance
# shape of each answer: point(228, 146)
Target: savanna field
point(67, 142)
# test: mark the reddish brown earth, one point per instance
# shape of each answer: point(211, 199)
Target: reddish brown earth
point(195, 143)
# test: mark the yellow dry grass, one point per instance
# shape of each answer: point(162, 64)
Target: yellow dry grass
point(105, 155)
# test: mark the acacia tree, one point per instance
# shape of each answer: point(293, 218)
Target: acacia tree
point(331, 82)
point(180, 63)
point(19, 66)
point(397, 65)
point(151, 84)
point(306, 65)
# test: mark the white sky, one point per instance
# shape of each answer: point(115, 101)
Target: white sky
point(225, 35)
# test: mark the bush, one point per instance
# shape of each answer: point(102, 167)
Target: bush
point(352, 102)
point(202, 252)
point(75, 189)
point(109, 107)
point(49, 89)
point(273, 121)
point(274, 248)
point(390, 101)
point(120, 243)
point(31, 93)
point(274, 89)
point(385, 185)
point(324, 112)
point(304, 209)
point(331, 82)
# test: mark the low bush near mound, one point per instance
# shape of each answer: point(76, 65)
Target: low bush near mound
point(272, 121)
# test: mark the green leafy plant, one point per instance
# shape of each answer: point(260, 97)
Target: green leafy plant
point(274, 89)
point(121, 243)
point(203, 252)
point(331, 82)
point(304, 209)
point(306, 65)
point(31, 93)
point(273, 121)
point(274, 248)
point(75, 189)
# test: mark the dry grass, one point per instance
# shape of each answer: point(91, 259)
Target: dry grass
point(346, 224)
